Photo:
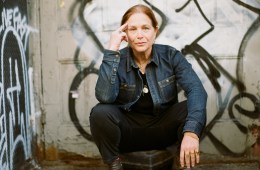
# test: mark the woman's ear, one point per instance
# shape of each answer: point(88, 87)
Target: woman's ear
point(156, 31)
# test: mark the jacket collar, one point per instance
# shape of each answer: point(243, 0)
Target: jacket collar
point(130, 60)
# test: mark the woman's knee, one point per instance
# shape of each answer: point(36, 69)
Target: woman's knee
point(102, 112)
point(97, 113)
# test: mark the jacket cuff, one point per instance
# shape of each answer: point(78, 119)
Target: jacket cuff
point(111, 56)
point(193, 126)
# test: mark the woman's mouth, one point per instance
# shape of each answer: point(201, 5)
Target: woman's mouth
point(140, 43)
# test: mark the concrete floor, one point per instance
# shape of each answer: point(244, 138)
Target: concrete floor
point(233, 166)
point(208, 162)
point(222, 166)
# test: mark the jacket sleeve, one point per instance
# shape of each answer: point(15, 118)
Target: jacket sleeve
point(195, 92)
point(107, 86)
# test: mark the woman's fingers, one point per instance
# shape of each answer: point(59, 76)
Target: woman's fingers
point(197, 154)
point(189, 154)
point(187, 159)
point(193, 158)
point(182, 158)
point(122, 28)
point(121, 31)
point(117, 37)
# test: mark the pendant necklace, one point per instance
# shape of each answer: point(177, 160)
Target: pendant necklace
point(145, 89)
point(141, 66)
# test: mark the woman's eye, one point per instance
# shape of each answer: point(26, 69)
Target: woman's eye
point(146, 29)
point(131, 30)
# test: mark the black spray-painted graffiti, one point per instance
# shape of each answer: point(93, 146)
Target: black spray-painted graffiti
point(212, 69)
point(15, 132)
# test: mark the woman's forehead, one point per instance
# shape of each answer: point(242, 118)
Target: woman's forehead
point(139, 19)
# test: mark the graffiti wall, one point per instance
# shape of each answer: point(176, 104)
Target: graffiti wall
point(220, 38)
point(15, 128)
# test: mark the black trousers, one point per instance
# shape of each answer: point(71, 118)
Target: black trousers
point(116, 131)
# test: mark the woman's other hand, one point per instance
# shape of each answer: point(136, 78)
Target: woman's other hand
point(117, 37)
point(189, 153)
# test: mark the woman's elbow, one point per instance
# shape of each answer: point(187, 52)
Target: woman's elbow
point(104, 98)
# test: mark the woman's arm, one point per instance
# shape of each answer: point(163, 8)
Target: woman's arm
point(107, 86)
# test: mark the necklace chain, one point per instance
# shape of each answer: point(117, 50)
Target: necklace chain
point(142, 68)
point(142, 64)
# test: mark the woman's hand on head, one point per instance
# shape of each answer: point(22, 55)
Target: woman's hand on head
point(189, 153)
point(117, 37)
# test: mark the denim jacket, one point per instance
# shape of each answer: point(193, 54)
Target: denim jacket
point(119, 82)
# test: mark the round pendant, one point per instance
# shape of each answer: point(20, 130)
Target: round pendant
point(145, 89)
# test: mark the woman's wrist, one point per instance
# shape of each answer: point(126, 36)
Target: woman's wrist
point(191, 134)
point(113, 48)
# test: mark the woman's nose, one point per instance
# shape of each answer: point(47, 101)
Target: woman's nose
point(139, 33)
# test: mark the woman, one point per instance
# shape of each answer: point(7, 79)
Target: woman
point(137, 91)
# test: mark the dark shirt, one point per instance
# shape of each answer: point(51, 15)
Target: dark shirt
point(145, 102)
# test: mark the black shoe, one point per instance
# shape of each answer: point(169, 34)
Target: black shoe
point(116, 165)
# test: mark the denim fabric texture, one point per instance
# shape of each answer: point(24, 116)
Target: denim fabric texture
point(119, 82)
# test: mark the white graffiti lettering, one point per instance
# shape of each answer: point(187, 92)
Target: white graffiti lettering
point(14, 117)
point(13, 18)
point(14, 94)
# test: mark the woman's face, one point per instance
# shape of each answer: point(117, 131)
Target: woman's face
point(140, 32)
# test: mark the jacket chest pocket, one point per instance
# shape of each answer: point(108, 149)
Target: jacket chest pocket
point(168, 89)
point(126, 93)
